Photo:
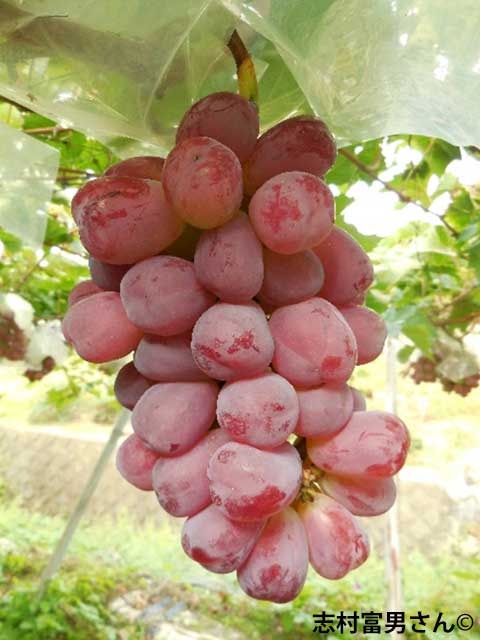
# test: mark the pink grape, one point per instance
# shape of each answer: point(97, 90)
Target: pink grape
point(216, 542)
point(161, 295)
point(323, 410)
point(232, 341)
point(359, 403)
point(171, 417)
point(277, 567)
point(261, 411)
point(130, 386)
point(167, 359)
point(135, 462)
point(373, 444)
point(181, 483)
point(149, 167)
point(249, 484)
point(99, 329)
point(122, 220)
point(366, 497)
point(107, 276)
point(229, 262)
point(313, 343)
point(186, 244)
point(292, 212)
point(337, 542)
point(302, 143)
point(203, 182)
point(290, 279)
point(369, 330)
point(83, 290)
point(225, 117)
point(348, 270)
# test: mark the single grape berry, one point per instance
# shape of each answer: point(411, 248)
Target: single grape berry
point(290, 279)
point(135, 462)
point(260, 411)
point(225, 117)
point(203, 182)
point(292, 212)
point(348, 270)
point(122, 220)
point(229, 262)
point(149, 167)
point(313, 343)
point(373, 444)
point(99, 329)
point(337, 542)
point(130, 385)
point(302, 143)
point(162, 295)
point(232, 341)
point(248, 484)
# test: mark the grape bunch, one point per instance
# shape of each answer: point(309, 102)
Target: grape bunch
point(425, 370)
point(221, 268)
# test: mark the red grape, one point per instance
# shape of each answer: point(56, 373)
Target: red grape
point(292, 212)
point(337, 542)
point(226, 117)
point(302, 143)
point(261, 411)
point(228, 261)
point(365, 497)
point(186, 244)
point(122, 220)
point(290, 279)
point(167, 359)
point(324, 410)
point(83, 290)
point(135, 462)
point(369, 330)
point(313, 343)
point(149, 167)
point(249, 484)
point(203, 182)
point(107, 276)
point(162, 296)
point(130, 386)
point(172, 417)
point(348, 270)
point(359, 403)
point(232, 341)
point(277, 567)
point(181, 483)
point(216, 542)
point(373, 444)
point(99, 329)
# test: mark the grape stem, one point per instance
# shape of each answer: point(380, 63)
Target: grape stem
point(300, 445)
point(247, 78)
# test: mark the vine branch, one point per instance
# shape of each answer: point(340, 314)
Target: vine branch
point(402, 196)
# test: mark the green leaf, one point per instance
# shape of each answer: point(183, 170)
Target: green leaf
point(11, 242)
point(405, 352)
point(440, 156)
point(343, 172)
point(474, 259)
point(420, 331)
